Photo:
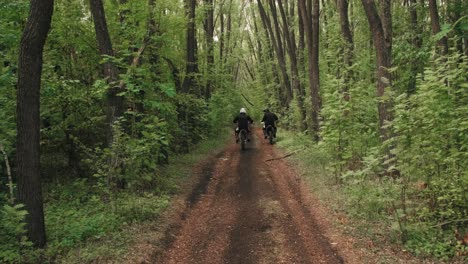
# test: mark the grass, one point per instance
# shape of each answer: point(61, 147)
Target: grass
point(312, 164)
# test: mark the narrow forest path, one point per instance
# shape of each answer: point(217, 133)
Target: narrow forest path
point(247, 210)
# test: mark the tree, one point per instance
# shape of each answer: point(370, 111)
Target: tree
point(292, 51)
point(310, 20)
point(114, 101)
point(28, 117)
point(209, 33)
point(442, 44)
point(349, 43)
point(192, 63)
point(278, 48)
point(417, 43)
point(382, 38)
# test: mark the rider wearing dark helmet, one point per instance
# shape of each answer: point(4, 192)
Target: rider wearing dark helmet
point(269, 119)
point(243, 121)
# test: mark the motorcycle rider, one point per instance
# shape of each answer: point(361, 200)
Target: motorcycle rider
point(269, 119)
point(243, 121)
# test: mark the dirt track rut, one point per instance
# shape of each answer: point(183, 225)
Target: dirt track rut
point(246, 210)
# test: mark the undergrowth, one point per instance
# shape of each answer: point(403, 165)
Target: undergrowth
point(84, 225)
point(369, 207)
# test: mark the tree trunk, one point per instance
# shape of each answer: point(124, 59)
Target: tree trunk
point(28, 117)
point(456, 8)
point(192, 64)
point(383, 63)
point(271, 48)
point(114, 102)
point(269, 53)
point(221, 38)
point(228, 33)
point(282, 64)
point(209, 33)
point(349, 45)
point(417, 43)
point(296, 82)
point(442, 44)
point(281, 54)
point(311, 28)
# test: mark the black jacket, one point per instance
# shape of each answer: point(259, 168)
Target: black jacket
point(269, 118)
point(243, 121)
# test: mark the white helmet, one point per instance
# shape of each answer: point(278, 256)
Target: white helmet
point(242, 110)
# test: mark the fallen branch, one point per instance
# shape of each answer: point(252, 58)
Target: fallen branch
point(285, 156)
point(450, 222)
point(247, 100)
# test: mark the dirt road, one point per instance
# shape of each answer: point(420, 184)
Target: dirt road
point(248, 210)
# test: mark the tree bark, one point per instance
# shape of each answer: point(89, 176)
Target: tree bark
point(311, 28)
point(281, 53)
point(28, 117)
point(114, 102)
point(456, 7)
point(282, 64)
point(209, 33)
point(349, 45)
point(221, 38)
point(417, 43)
point(189, 83)
point(270, 51)
point(382, 44)
point(442, 44)
point(292, 51)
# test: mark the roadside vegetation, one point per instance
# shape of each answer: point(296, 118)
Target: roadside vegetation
point(99, 98)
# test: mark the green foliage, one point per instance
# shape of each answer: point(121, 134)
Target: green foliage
point(349, 131)
point(131, 161)
point(193, 122)
point(222, 106)
point(12, 231)
point(427, 241)
point(431, 147)
point(77, 214)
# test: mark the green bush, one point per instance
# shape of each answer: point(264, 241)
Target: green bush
point(70, 225)
point(13, 241)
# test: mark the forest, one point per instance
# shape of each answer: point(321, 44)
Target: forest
point(105, 103)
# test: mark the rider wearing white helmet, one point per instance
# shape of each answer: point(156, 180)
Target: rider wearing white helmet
point(243, 121)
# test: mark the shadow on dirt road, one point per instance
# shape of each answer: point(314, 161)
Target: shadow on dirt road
point(246, 210)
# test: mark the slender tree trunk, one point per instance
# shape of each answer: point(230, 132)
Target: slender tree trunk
point(311, 28)
point(28, 117)
point(301, 45)
point(281, 53)
point(228, 32)
point(349, 44)
point(456, 8)
point(114, 102)
point(221, 37)
point(282, 64)
point(417, 43)
point(442, 44)
point(192, 63)
point(209, 33)
point(296, 82)
point(269, 54)
point(465, 41)
point(383, 63)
